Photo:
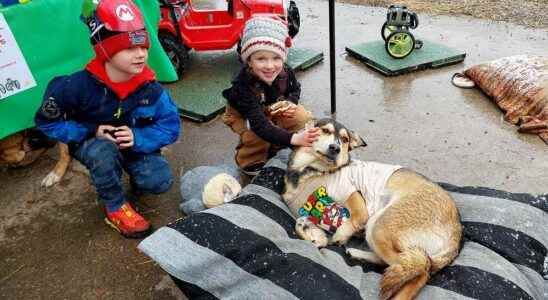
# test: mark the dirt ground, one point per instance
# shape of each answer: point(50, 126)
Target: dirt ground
point(527, 12)
point(55, 245)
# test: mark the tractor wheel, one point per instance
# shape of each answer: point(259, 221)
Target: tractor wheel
point(176, 51)
point(293, 19)
point(400, 44)
point(387, 30)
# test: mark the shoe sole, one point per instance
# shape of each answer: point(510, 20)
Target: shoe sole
point(462, 81)
point(134, 235)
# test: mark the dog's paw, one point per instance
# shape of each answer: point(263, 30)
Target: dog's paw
point(354, 253)
point(308, 231)
point(51, 179)
point(302, 223)
point(319, 239)
point(342, 235)
point(362, 255)
point(338, 240)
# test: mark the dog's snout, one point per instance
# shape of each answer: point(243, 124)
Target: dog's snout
point(334, 148)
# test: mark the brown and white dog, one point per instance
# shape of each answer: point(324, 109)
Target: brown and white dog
point(16, 150)
point(60, 168)
point(411, 224)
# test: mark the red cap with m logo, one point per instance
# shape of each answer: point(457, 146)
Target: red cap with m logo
point(120, 15)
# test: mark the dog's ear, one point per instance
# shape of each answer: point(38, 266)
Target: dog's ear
point(356, 140)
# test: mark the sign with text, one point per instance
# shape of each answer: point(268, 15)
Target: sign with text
point(15, 75)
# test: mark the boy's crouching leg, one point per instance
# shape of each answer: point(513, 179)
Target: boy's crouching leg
point(103, 160)
point(151, 174)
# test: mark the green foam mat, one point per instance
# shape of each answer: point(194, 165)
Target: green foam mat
point(300, 59)
point(431, 55)
point(198, 93)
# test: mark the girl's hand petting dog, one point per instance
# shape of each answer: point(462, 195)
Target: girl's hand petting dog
point(306, 137)
point(122, 136)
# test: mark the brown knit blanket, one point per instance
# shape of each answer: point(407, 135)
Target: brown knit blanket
point(519, 86)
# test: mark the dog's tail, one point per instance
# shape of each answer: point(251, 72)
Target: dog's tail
point(407, 276)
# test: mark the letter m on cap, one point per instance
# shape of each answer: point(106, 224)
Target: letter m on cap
point(124, 13)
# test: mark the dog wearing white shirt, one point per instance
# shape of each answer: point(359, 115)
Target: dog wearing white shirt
point(411, 224)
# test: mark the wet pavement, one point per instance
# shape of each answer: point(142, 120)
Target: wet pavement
point(55, 245)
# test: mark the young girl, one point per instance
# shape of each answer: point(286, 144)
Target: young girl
point(263, 101)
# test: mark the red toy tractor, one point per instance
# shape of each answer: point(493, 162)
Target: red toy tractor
point(203, 25)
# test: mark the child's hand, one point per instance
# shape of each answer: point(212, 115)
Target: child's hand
point(305, 137)
point(104, 131)
point(289, 112)
point(124, 137)
point(277, 108)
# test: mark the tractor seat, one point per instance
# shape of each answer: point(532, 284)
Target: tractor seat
point(210, 5)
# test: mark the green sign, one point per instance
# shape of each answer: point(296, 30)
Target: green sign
point(55, 42)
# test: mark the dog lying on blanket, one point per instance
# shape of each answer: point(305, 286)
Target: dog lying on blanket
point(411, 224)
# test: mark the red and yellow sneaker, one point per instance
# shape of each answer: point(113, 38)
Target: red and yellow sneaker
point(128, 222)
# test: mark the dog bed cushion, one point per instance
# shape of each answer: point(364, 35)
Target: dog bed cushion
point(519, 86)
point(248, 249)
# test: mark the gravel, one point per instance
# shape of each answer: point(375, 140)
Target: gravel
point(530, 13)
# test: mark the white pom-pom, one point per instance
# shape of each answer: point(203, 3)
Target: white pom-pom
point(220, 189)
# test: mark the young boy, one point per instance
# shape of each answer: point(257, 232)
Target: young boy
point(114, 115)
point(263, 101)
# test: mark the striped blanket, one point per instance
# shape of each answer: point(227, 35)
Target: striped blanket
point(248, 249)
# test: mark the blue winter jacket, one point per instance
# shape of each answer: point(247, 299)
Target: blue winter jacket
point(75, 105)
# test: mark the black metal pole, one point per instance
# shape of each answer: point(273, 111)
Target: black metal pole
point(332, 55)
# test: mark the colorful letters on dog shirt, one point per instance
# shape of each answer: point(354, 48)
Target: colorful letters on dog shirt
point(323, 211)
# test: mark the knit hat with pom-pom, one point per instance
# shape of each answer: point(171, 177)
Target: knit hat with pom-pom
point(262, 33)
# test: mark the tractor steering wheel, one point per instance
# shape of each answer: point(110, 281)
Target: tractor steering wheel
point(414, 20)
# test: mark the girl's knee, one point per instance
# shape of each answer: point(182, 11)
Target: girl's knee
point(297, 121)
point(234, 120)
point(302, 115)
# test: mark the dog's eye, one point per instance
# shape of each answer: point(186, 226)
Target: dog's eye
point(344, 139)
point(325, 130)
